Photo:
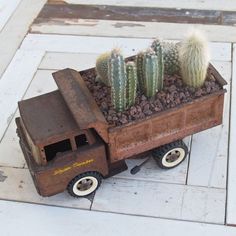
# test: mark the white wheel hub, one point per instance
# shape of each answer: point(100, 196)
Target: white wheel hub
point(85, 186)
point(173, 157)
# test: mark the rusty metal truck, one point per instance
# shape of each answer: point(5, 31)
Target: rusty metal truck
point(68, 144)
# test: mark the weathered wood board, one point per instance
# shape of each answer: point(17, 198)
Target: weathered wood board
point(179, 4)
point(6, 10)
point(172, 201)
point(16, 26)
point(16, 184)
point(231, 196)
point(65, 221)
point(134, 29)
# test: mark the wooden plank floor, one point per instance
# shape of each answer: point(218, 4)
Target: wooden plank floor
point(202, 189)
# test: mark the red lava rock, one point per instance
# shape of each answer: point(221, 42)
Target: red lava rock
point(174, 93)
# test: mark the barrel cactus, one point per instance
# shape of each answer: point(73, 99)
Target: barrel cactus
point(194, 59)
point(131, 86)
point(170, 55)
point(102, 68)
point(118, 80)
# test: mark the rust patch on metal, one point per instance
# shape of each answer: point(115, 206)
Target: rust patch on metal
point(2, 176)
point(59, 9)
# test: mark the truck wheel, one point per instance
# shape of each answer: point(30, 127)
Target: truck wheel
point(170, 155)
point(84, 184)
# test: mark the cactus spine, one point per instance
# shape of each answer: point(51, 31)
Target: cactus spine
point(194, 59)
point(160, 68)
point(150, 73)
point(140, 70)
point(102, 68)
point(170, 55)
point(117, 76)
point(131, 88)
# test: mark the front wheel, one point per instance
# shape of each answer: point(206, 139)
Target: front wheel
point(84, 184)
point(170, 155)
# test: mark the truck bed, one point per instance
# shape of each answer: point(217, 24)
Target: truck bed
point(145, 134)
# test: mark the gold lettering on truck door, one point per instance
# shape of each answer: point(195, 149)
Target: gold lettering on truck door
point(74, 165)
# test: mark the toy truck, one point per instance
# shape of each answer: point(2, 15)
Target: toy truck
point(68, 144)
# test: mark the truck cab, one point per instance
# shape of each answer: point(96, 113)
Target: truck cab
point(59, 154)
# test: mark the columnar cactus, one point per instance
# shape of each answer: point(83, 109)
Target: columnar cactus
point(131, 87)
point(102, 68)
point(150, 73)
point(160, 67)
point(194, 59)
point(117, 76)
point(140, 75)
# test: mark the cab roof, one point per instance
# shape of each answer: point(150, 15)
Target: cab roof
point(47, 117)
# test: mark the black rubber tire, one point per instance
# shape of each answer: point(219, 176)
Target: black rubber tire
point(78, 177)
point(160, 152)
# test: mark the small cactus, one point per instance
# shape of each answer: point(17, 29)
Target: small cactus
point(102, 68)
point(170, 55)
point(131, 87)
point(194, 59)
point(140, 76)
point(117, 76)
point(160, 68)
point(150, 73)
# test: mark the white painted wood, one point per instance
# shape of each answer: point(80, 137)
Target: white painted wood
point(6, 10)
point(28, 218)
point(14, 83)
point(96, 45)
point(151, 172)
point(16, 28)
point(76, 61)
point(179, 4)
point(10, 152)
point(172, 201)
point(209, 153)
point(19, 186)
point(231, 196)
point(136, 29)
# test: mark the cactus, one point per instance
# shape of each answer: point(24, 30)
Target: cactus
point(160, 68)
point(102, 68)
point(194, 59)
point(150, 73)
point(139, 66)
point(131, 87)
point(117, 76)
point(170, 55)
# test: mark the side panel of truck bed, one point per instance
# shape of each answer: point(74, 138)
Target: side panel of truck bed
point(165, 127)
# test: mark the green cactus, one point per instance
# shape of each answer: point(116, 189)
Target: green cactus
point(160, 68)
point(139, 66)
point(131, 87)
point(194, 59)
point(118, 79)
point(170, 55)
point(102, 68)
point(150, 73)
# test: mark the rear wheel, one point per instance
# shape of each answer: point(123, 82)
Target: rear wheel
point(170, 155)
point(84, 184)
